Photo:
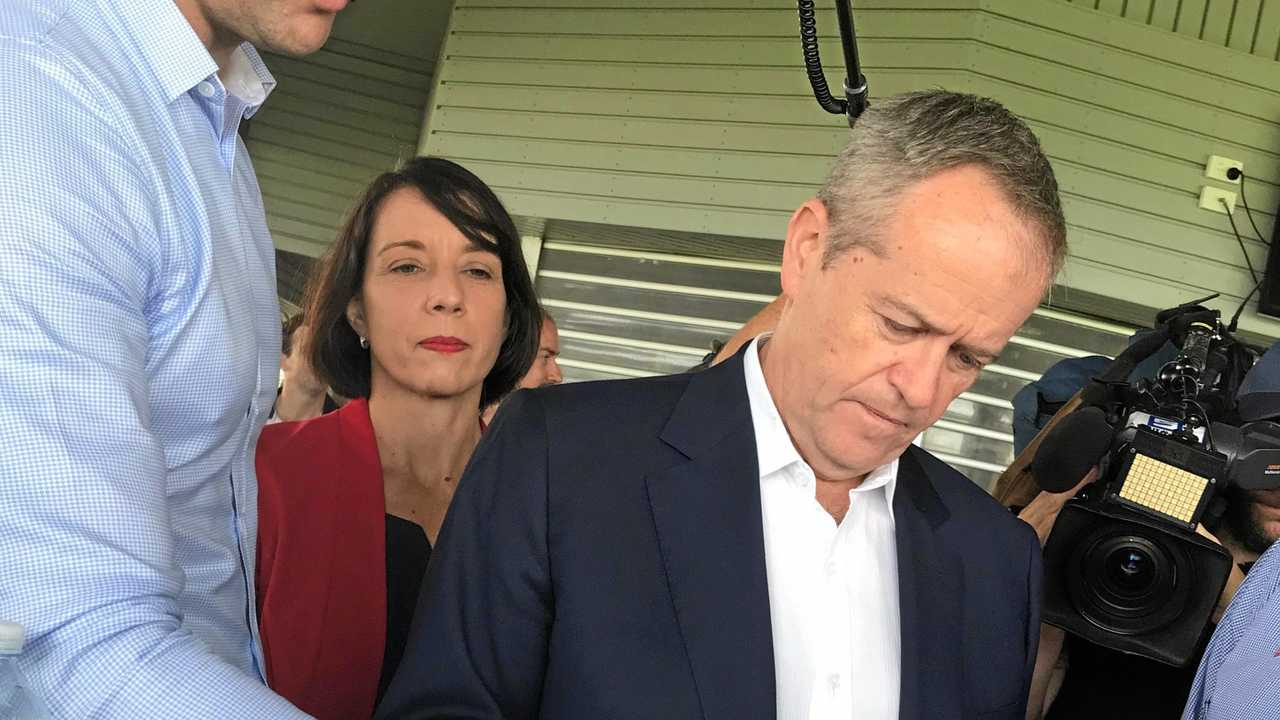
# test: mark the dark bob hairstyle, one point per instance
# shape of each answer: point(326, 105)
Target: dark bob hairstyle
point(472, 207)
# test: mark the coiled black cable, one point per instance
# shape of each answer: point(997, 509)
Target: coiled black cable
point(813, 63)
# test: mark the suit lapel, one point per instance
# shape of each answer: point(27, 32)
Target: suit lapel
point(929, 590)
point(706, 511)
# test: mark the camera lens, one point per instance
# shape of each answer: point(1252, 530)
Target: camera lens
point(1127, 580)
point(1129, 570)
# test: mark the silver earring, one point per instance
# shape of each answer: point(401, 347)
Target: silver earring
point(364, 342)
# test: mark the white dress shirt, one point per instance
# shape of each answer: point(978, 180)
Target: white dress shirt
point(833, 588)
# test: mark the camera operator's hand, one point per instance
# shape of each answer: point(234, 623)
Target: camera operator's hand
point(1043, 510)
point(1041, 513)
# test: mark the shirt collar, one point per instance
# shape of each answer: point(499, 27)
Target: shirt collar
point(169, 46)
point(246, 76)
point(774, 448)
point(178, 60)
point(885, 476)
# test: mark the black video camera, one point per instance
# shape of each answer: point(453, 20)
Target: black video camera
point(1124, 565)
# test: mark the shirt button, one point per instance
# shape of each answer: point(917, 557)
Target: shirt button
point(833, 683)
point(205, 88)
point(831, 570)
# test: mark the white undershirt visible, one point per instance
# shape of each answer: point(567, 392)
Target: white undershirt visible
point(833, 588)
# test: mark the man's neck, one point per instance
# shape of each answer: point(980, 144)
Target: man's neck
point(1239, 553)
point(297, 403)
point(219, 42)
point(831, 488)
point(834, 496)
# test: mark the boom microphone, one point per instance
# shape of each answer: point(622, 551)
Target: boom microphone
point(1071, 449)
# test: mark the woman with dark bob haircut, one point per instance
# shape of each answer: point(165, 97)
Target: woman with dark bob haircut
point(423, 313)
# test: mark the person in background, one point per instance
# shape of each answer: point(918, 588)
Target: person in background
point(545, 369)
point(422, 312)
point(139, 331)
point(763, 321)
point(301, 395)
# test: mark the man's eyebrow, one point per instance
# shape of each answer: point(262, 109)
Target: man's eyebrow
point(923, 323)
point(986, 356)
point(915, 316)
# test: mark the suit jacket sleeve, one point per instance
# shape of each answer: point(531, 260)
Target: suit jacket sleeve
point(479, 641)
point(1035, 579)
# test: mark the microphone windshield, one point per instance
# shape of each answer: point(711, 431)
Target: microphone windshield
point(1071, 449)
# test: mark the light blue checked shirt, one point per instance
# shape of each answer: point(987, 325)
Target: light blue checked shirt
point(139, 342)
point(1239, 675)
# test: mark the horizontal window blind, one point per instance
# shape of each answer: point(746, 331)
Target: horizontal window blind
point(633, 303)
point(337, 119)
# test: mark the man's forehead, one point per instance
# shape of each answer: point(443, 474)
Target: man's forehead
point(965, 210)
point(982, 273)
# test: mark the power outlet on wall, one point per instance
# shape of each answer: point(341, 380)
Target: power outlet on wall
point(1212, 198)
point(1217, 167)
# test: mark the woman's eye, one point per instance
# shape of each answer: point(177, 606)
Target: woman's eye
point(479, 273)
point(405, 268)
point(969, 362)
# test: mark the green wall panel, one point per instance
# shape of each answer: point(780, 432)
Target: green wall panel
point(1250, 26)
point(697, 117)
point(342, 115)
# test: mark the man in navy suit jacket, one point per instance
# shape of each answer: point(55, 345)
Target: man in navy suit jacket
point(761, 540)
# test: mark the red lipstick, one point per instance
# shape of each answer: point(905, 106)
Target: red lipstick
point(444, 344)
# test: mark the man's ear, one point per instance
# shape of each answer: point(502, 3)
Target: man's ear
point(355, 316)
point(805, 244)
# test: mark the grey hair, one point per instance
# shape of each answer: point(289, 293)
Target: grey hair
point(907, 138)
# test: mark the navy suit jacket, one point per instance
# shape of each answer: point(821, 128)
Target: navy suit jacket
point(603, 558)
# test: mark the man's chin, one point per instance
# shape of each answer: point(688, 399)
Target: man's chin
point(866, 462)
point(306, 38)
point(1269, 528)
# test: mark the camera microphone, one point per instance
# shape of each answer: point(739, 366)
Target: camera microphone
point(1071, 449)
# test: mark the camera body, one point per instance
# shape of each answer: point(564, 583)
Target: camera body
point(1125, 567)
point(1125, 575)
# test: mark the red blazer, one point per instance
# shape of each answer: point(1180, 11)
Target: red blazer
point(321, 582)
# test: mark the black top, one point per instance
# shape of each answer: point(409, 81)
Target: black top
point(1103, 683)
point(408, 551)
